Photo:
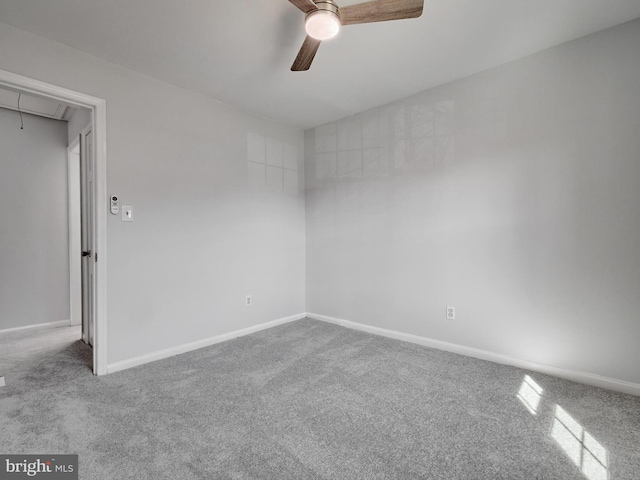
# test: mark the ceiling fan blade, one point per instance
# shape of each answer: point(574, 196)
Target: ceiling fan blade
point(306, 54)
point(380, 11)
point(305, 5)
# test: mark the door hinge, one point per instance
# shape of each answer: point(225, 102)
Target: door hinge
point(95, 255)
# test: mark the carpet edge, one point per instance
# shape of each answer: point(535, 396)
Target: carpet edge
point(188, 347)
point(37, 326)
point(592, 379)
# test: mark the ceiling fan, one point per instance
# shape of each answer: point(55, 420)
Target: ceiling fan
point(324, 19)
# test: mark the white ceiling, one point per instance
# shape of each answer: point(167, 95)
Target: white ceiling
point(240, 51)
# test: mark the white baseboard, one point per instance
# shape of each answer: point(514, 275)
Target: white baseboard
point(188, 347)
point(39, 326)
point(580, 377)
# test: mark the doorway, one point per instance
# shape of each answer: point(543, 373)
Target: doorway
point(94, 147)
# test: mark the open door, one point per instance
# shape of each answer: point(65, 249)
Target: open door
point(87, 174)
point(75, 246)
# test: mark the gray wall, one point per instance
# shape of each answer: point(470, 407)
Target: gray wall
point(512, 195)
point(34, 255)
point(207, 229)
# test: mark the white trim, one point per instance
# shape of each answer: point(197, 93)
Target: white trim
point(99, 122)
point(576, 376)
point(98, 108)
point(38, 326)
point(188, 347)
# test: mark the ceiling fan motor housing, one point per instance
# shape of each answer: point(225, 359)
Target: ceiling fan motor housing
point(325, 6)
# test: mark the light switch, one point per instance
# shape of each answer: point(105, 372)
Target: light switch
point(127, 213)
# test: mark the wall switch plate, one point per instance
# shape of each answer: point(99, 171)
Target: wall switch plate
point(451, 313)
point(127, 213)
point(248, 301)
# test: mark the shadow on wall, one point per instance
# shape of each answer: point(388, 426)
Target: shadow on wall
point(416, 136)
point(408, 138)
point(272, 164)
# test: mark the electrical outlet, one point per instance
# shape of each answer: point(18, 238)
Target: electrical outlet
point(451, 313)
point(248, 301)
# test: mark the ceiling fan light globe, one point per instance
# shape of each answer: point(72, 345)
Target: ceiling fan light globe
point(322, 25)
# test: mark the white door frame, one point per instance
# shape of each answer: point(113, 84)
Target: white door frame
point(98, 107)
